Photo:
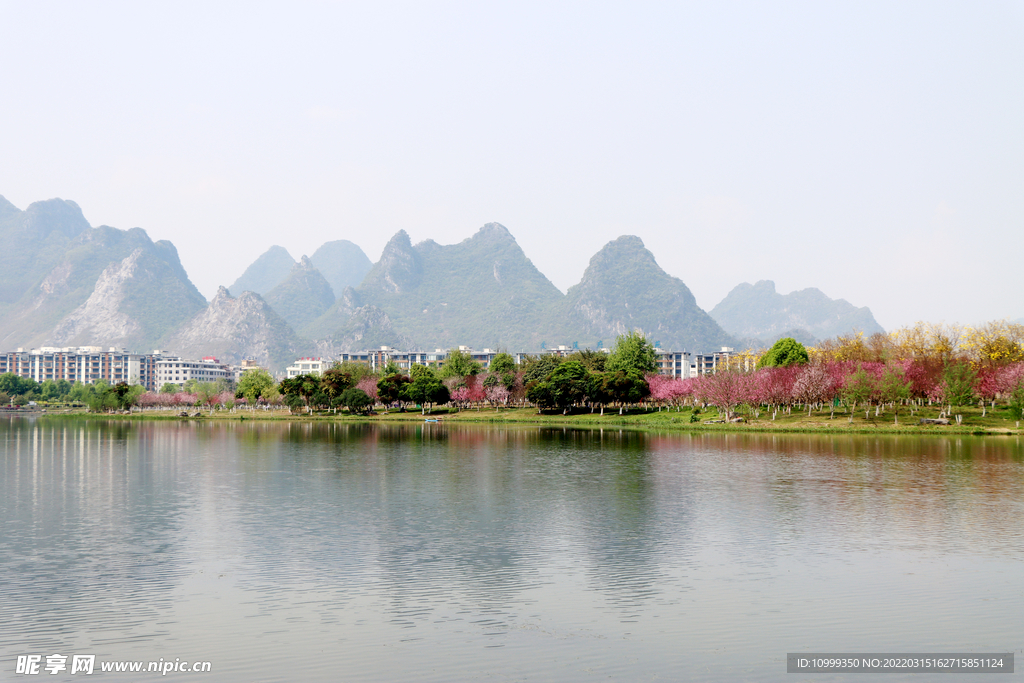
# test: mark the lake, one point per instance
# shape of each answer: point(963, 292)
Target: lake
point(286, 551)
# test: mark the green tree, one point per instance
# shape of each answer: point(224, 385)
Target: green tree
point(355, 400)
point(126, 395)
point(102, 397)
point(305, 387)
point(356, 371)
point(459, 364)
point(254, 384)
point(959, 380)
point(633, 354)
point(51, 390)
point(206, 393)
point(425, 387)
point(594, 361)
point(620, 387)
point(63, 388)
point(859, 388)
point(894, 388)
point(15, 385)
point(170, 388)
point(785, 352)
point(537, 368)
point(334, 382)
point(570, 384)
point(294, 402)
point(503, 364)
point(541, 394)
point(80, 393)
point(1017, 400)
point(391, 388)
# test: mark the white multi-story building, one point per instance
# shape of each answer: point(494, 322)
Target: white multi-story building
point(676, 364)
point(707, 363)
point(173, 370)
point(308, 366)
point(83, 364)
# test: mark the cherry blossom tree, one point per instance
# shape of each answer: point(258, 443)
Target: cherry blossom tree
point(460, 396)
point(497, 395)
point(667, 390)
point(184, 398)
point(725, 389)
point(368, 385)
point(999, 381)
point(149, 400)
point(774, 386)
point(475, 387)
point(813, 385)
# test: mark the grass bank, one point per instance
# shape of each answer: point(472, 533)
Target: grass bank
point(993, 422)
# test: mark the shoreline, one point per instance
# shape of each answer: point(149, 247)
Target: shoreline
point(636, 420)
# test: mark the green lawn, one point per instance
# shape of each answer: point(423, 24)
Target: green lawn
point(998, 421)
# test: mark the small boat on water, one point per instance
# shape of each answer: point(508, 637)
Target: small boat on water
point(431, 419)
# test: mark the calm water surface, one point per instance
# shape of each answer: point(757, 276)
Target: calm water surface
point(287, 552)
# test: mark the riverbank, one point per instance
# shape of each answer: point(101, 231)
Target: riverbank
point(997, 422)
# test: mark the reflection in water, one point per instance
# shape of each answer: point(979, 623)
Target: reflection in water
point(284, 550)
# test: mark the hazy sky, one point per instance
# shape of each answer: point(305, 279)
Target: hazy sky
point(872, 150)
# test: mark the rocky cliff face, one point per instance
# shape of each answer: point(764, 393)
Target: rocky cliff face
point(758, 311)
point(39, 237)
point(236, 328)
point(101, 317)
point(135, 304)
point(399, 269)
point(303, 297)
point(51, 287)
point(483, 292)
point(624, 289)
point(367, 327)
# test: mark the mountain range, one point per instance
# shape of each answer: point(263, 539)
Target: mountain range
point(71, 284)
point(758, 313)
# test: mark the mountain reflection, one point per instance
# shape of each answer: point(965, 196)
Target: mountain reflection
point(111, 527)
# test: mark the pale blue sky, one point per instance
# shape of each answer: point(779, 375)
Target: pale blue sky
point(873, 150)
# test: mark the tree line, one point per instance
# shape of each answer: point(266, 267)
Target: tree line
point(945, 365)
point(948, 366)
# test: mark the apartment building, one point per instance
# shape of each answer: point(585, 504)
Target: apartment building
point(175, 370)
point(707, 363)
point(676, 364)
point(380, 357)
point(307, 366)
point(85, 364)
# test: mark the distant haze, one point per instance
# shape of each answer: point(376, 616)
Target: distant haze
point(872, 150)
